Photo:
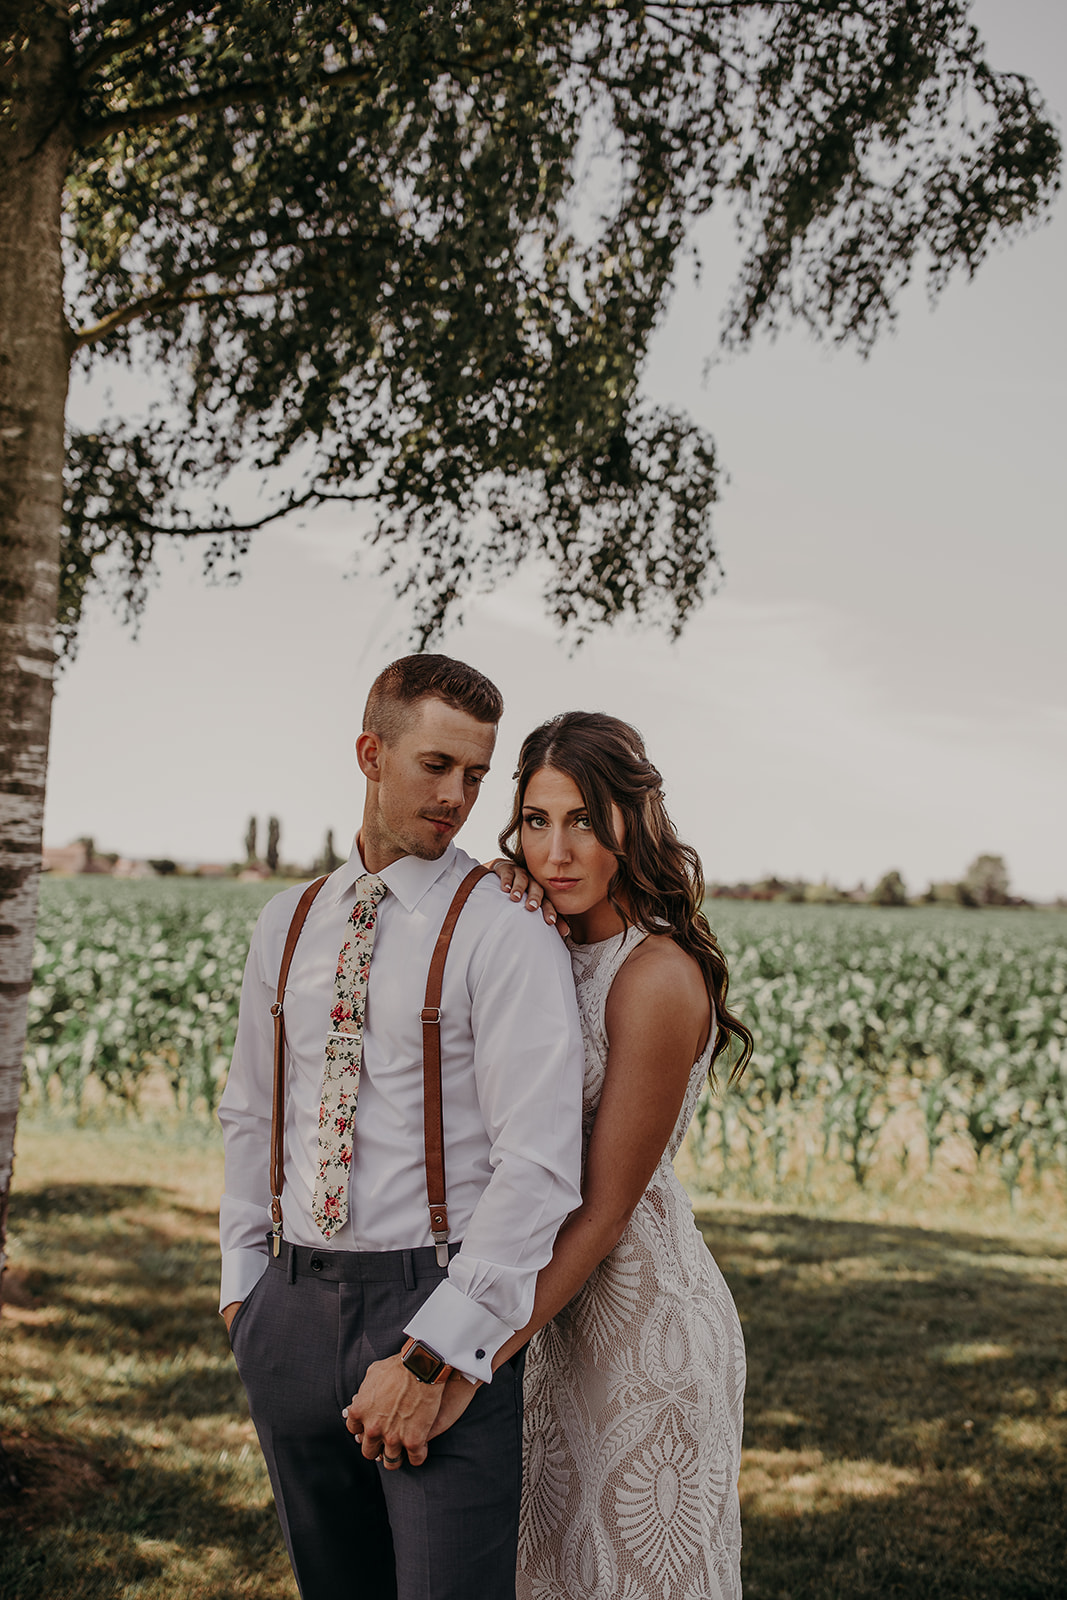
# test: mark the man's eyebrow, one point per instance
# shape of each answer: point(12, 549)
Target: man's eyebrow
point(451, 761)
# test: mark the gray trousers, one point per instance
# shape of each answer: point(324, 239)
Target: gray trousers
point(446, 1530)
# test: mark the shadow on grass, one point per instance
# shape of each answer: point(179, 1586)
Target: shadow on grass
point(81, 1200)
point(906, 1425)
point(153, 1531)
point(121, 1409)
point(115, 1266)
point(906, 1420)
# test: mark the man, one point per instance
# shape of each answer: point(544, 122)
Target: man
point(357, 1277)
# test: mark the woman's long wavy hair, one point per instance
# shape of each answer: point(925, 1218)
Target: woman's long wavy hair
point(658, 879)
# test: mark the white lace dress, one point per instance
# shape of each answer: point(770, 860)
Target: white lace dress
point(633, 1394)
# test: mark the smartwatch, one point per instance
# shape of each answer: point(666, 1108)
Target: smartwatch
point(424, 1363)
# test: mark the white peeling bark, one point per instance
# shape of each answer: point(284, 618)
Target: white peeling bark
point(35, 145)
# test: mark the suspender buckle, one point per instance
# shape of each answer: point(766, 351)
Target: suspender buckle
point(431, 1014)
point(276, 1009)
point(439, 1232)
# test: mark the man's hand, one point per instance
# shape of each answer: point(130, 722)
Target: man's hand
point(393, 1414)
point(229, 1312)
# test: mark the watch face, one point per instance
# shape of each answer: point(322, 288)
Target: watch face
point(423, 1363)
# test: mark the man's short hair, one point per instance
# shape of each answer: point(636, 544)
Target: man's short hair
point(397, 690)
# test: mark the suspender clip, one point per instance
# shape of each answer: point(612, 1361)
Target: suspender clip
point(431, 1014)
point(439, 1232)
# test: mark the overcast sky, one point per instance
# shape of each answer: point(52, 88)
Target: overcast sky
point(879, 683)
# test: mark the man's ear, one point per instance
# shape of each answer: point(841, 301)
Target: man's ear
point(369, 756)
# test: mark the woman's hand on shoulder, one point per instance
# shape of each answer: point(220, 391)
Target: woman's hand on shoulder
point(516, 882)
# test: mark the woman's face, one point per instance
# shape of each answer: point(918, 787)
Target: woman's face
point(564, 854)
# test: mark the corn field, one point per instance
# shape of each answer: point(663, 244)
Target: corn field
point(948, 1024)
point(135, 990)
point(942, 1024)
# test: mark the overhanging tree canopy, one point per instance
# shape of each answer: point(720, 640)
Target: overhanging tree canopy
point(347, 234)
point(351, 241)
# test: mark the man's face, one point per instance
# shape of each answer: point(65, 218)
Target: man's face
point(422, 786)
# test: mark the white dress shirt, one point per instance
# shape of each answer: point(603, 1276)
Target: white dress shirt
point(512, 1065)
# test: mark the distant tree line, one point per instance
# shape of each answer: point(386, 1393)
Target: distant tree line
point(83, 856)
point(272, 864)
point(985, 883)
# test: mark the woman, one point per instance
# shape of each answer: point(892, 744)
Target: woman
point(633, 1392)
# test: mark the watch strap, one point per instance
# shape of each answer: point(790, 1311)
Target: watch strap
point(443, 1372)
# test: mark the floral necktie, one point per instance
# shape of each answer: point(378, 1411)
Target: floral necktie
point(344, 1055)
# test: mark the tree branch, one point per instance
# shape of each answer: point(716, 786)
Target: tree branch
point(722, 5)
point(173, 293)
point(313, 497)
point(165, 298)
point(149, 30)
point(260, 91)
point(701, 40)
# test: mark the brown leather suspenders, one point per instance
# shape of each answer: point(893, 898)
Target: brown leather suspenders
point(431, 1071)
point(431, 1067)
point(277, 1115)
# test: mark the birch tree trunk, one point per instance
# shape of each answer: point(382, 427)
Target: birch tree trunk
point(35, 144)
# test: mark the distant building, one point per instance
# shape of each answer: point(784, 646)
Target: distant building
point(125, 868)
point(77, 857)
point(81, 857)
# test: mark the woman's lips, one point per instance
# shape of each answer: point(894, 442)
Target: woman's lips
point(562, 883)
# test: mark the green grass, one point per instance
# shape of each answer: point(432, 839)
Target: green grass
point(119, 1403)
point(906, 1429)
point(906, 1420)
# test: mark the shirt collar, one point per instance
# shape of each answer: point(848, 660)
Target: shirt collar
point(409, 879)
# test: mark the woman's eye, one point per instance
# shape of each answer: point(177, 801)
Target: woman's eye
point(583, 823)
point(533, 822)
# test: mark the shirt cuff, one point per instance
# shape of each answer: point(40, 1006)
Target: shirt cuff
point(460, 1331)
point(241, 1271)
